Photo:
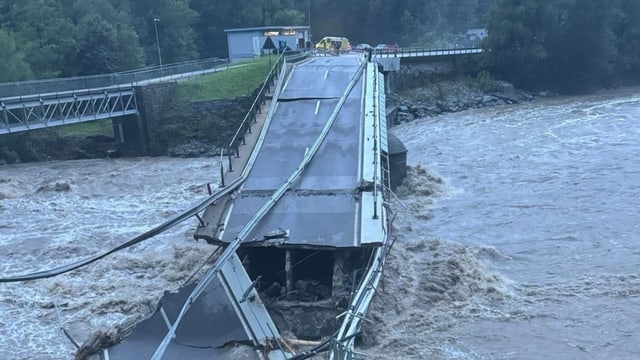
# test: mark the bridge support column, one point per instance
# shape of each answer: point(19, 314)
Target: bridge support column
point(388, 81)
point(131, 130)
point(341, 276)
point(151, 101)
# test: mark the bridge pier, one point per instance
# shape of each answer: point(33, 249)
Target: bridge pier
point(151, 100)
point(131, 130)
point(134, 131)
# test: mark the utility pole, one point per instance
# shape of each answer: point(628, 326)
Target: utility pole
point(155, 24)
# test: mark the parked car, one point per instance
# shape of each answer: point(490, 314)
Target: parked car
point(362, 47)
point(387, 48)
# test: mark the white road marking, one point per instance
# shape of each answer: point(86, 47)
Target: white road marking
point(317, 107)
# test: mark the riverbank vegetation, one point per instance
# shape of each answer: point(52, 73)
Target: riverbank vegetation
point(204, 112)
point(565, 45)
point(240, 79)
point(76, 141)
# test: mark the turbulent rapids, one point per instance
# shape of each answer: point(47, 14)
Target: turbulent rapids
point(517, 239)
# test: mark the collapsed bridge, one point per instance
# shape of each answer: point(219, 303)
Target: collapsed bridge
point(303, 220)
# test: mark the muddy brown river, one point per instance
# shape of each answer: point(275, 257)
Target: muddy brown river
point(517, 237)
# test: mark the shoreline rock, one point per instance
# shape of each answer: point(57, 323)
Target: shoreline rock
point(452, 96)
point(193, 148)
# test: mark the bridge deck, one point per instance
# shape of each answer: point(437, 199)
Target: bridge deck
point(200, 335)
point(327, 194)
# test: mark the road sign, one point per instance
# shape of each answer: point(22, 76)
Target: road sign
point(268, 44)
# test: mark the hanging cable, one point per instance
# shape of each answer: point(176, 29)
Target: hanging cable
point(138, 239)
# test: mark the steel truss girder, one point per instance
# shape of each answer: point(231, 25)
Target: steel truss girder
point(61, 109)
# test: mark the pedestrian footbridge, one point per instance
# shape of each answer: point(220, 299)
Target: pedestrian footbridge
point(30, 105)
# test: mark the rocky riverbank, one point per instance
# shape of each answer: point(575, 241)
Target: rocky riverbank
point(452, 96)
point(56, 147)
point(47, 146)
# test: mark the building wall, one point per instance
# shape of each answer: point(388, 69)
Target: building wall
point(476, 33)
point(291, 40)
point(241, 43)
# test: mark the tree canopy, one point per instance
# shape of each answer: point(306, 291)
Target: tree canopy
point(54, 38)
point(566, 45)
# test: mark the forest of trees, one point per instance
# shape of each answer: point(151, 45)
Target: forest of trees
point(55, 38)
point(565, 45)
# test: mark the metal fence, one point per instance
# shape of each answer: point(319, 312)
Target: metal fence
point(170, 71)
point(421, 51)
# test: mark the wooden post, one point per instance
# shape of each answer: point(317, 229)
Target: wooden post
point(288, 270)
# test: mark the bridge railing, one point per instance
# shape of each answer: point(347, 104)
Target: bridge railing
point(239, 138)
point(424, 51)
point(35, 87)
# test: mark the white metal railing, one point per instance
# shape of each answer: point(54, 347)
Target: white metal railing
point(59, 85)
point(35, 113)
point(358, 308)
point(424, 52)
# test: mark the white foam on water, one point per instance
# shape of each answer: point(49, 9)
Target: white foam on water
point(518, 241)
point(533, 255)
point(67, 211)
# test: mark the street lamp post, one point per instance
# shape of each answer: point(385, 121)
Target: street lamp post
point(309, 22)
point(155, 24)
